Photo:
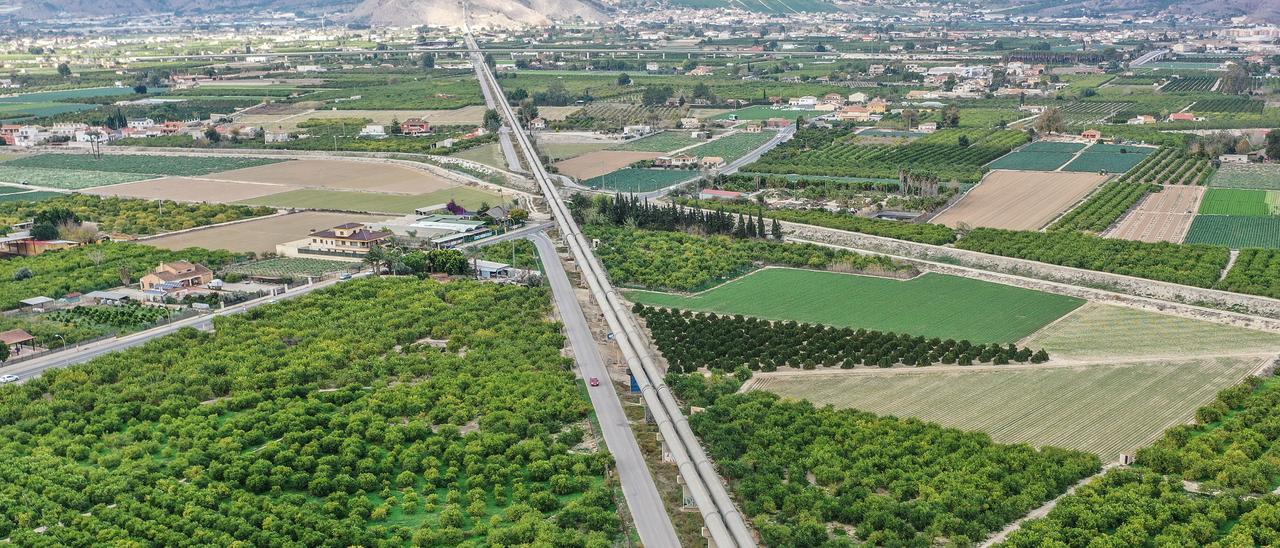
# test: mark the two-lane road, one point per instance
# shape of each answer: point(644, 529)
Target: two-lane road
point(651, 519)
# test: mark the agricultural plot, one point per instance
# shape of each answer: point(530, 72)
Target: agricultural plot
point(617, 114)
point(1193, 83)
point(33, 196)
point(1229, 104)
point(1104, 207)
point(1234, 201)
point(260, 235)
point(341, 175)
point(1258, 176)
point(639, 180)
point(1030, 160)
point(184, 189)
point(141, 164)
point(1236, 232)
point(1089, 112)
point(732, 147)
point(1163, 216)
point(1168, 166)
point(280, 267)
point(759, 112)
point(595, 164)
point(1100, 331)
point(1074, 407)
point(1019, 200)
point(64, 179)
point(838, 153)
point(931, 305)
point(665, 141)
point(374, 202)
point(1108, 159)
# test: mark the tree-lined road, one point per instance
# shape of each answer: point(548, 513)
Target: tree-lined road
point(63, 358)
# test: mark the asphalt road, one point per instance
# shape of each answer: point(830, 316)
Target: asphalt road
point(63, 358)
point(651, 518)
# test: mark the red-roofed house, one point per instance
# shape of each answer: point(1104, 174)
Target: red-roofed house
point(177, 275)
point(415, 126)
point(354, 239)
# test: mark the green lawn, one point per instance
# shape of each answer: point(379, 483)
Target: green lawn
point(374, 202)
point(932, 305)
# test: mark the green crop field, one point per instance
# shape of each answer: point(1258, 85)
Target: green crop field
point(1258, 176)
point(639, 180)
point(1098, 331)
point(1076, 407)
point(65, 179)
point(34, 196)
point(1236, 231)
point(1053, 146)
point(1233, 201)
point(733, 146)
point(141, 164)
point(931, 305)
point(1108, 158)
point(665, 141)
point(1032, 160)
point(291, 266)
point(374, 202)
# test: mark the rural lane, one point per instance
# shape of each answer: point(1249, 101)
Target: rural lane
point(63, 358)
point(651, 518)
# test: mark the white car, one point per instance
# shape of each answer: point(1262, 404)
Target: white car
point(6, 379)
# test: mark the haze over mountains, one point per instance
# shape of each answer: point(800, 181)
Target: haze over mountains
point(510, 13)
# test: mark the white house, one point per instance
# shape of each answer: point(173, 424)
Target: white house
point(374, 131)
point(808, 101)
point(141, 123)
point(636, 131)
point(858, 97)
point(29, 136)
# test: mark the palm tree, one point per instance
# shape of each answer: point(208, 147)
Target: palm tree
point(374, 258)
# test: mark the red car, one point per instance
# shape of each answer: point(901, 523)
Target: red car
point(595, 381)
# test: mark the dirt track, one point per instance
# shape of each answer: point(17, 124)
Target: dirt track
point(1020, 200)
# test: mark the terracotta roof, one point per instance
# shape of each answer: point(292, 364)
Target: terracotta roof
point(15, 336)
point(191, 271)
point(362, 235)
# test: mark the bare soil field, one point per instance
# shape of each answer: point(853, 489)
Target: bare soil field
point(1163, 216)
point(594, 164)
point(1020, 200)
point(339, 174)
point(260, 236)
point(554, 114)
point(191, 189)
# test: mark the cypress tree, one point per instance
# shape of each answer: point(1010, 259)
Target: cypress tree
point(776, 230)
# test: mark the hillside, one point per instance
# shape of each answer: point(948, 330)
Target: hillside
point(484, 13)
point(36, 9)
